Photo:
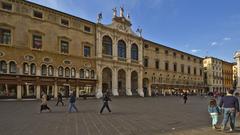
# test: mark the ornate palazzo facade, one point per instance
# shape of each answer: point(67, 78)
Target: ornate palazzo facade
point(119, 58)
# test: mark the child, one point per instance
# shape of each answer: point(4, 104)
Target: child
point(214, 110)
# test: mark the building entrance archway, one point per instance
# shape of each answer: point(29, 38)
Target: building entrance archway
point(121, 82)
point(107, 80)
point(134, 83)
point(145, 86)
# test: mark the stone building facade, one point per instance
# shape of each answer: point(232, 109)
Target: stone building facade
point(237, 58)
point(44, 50)
point(227, 73)
point(169, 71)
point(119, 58)
point(214, 77)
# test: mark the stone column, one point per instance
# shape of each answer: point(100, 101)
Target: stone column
point(99, 82)
point(115, 49)
point(19, 91)
point(99, 44)
point(77, 92)
point(140, 83)
point(128, 51)
point(115, 82)
point(27, 87)
point(149, 89)
point(38, 96)
point(128, 83)
point(140, 53)
point(237, 58)
point(55, 90)
point(7, 91)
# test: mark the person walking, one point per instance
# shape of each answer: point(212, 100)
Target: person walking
point(72, 100)
point(106, 98)
point(44, 105)
point(214, 111)
point(59, 96)
point(185, 98)
point(230, 106)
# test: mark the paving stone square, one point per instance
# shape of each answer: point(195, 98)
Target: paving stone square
point(130, 116)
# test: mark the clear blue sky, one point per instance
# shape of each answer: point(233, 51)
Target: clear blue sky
point(199, 27)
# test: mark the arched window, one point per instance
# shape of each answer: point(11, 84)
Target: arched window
point(92, 74)
point(44, 70)
point(134, 52)
point(73, 72)
point(60, 71)
point(50, 71)
point(12, 67)
point(67, 72)
point(3, 67)
point(107, 45)
point(33, 69)
point(81, 73)
point(25, 68)
point(121, 49)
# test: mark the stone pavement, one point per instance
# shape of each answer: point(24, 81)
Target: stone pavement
point(130, 116)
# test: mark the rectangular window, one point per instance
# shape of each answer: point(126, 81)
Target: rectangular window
point(87, 29)
point(174, 54)
point(37, 42)
point(157, 50)
point(200, 72)
point(195, 71)
point(65, 22)
point(7, 6)
point(182, 57)
point(145, 62)
point(5, 36)
point(175, 67)
point(157, 64)
point(189, 70)
point(166, 66)
point(145, 46)
point(166, 52)
point(64, 47)
point(87, 51)
point(38, 14)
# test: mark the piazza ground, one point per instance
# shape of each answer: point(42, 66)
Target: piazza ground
point(130, 116)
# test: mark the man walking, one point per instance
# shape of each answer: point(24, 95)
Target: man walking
point(106, 98)
point(185, 97)
point(59, 96)
point(72, 101)
point(231, 109)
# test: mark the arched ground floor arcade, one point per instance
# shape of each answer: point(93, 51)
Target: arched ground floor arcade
point(119, 80)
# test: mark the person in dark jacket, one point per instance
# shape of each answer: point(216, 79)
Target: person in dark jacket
point(72, 100)
point(230, 105)
point(185, 97)
point(106, 98)
point(59, 96)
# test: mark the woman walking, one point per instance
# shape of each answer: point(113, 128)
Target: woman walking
point(214, 111)
point(44, 105)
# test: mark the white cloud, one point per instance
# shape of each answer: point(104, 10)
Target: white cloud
point(227, 38)
point(195, 50)
point(213, 43)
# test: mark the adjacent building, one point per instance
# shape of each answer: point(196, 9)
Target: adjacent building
point(169, 71)
point(227, 73)
point(44, 50)
point(213, 74)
